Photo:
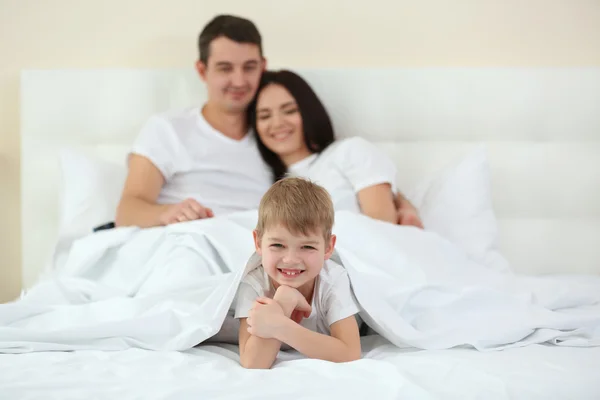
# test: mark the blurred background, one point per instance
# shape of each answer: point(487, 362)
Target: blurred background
point(36, 34)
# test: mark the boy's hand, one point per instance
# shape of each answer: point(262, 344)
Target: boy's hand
point(293, 303)
point(265, 318)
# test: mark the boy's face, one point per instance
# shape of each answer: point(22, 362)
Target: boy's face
point(293, 260)
point(232, 73)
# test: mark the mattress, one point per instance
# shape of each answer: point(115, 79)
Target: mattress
point(212, 371)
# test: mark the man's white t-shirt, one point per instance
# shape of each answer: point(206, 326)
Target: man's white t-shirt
point(346, 167)
point(200, 162)
point(332, 300)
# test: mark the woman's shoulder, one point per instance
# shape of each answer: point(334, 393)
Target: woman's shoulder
point(354, 145)
point(350, 149)
point(351, 142)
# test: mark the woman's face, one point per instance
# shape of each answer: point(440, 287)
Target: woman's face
point(279, 124)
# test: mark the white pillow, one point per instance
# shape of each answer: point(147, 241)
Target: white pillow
point(457, 204)
point(91, 189)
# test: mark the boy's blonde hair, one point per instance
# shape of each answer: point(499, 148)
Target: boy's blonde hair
point(301, 206)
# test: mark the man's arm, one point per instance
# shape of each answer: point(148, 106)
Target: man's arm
point(138, 202)
point(342, 346)
point(256, 352)
point(138, 205)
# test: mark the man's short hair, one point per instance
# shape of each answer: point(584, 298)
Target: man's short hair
point(299, 205)
point(238, 29)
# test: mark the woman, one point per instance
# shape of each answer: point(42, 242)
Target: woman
point(295, 136)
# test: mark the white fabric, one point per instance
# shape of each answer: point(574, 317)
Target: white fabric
point(170, 288)
point(92, 188)
point(536, 372)
point(346, 167)
point(200, 162)
point(457, 204)
point(332, 298)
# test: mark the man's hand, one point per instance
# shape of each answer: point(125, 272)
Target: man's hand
point(265, 318)
point(406, 213)
point(187, 210)
point(409, 216)
point(293, 303)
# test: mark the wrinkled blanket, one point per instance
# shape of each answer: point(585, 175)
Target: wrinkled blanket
point(171, 288)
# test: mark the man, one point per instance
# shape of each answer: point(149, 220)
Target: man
point(195, 163)
point(198, 162)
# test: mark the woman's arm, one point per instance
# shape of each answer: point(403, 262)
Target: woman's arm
point(256, 352)
point(407, 213)
point(342, 346)
point(377, 202)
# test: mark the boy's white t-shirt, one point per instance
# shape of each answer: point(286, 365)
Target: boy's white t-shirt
point(332, 300)
point(200, 162)
point(346, 167)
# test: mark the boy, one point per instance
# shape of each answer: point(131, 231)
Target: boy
point(296, 296)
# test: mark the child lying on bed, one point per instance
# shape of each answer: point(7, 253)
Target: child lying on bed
point(297, 296)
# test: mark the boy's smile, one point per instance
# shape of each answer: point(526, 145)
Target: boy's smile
point(291, 273)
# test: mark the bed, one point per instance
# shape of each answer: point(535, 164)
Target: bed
point(540, 129)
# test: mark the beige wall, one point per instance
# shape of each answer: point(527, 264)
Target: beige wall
point(162, 33)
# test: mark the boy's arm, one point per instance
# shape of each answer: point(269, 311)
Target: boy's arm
point(261, 352)
point(342, 346)
point(256, 352)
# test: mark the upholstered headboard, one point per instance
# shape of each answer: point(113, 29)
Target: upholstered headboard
point(541, 127)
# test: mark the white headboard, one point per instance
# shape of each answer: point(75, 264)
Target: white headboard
point(541, 127)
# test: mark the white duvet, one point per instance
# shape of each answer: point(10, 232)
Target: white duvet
point(171, 288)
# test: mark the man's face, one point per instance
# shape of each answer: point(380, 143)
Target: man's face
point(232, 74)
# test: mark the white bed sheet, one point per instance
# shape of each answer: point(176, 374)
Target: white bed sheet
point(385, 372)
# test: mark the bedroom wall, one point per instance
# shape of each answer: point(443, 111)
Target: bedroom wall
point(157, 33)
